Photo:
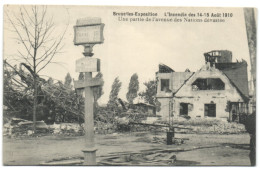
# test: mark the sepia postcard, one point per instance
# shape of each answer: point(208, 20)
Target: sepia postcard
point(129, 86)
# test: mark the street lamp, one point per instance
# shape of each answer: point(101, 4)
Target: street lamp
point(170, 133)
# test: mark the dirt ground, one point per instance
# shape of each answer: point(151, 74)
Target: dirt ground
point(130, 148)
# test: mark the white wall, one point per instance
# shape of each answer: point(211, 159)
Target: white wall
point(201, 97)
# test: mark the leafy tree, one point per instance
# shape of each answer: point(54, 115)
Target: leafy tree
point(98, 92)
point(116, 86)
point(149, 95)
point(132, 88)
point(81, 76)
point(68, 81)
point(38, 44)
point(50, 81)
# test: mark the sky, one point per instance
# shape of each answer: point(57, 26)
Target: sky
point(139, 47)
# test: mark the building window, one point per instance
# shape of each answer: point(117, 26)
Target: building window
point(208, 84)
point(210, 110)
point(183, 109)
point(165, 84)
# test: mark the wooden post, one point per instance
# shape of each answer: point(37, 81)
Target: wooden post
point(88, 32)
point(170, 133)
point(89, 150)
point(169, 114)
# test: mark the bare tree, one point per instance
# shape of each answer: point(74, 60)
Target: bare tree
point(35, 31)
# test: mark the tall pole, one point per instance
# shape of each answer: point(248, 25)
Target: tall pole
point(89, 150)
point(250, 22)
point(170, 132)
point(88, 32)
point(170, 114)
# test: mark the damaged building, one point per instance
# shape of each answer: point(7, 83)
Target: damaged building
point(218, 90)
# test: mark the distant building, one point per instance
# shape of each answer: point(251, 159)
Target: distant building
point(218, 90)
point(146, 108)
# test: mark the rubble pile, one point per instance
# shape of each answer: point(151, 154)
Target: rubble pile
point(104, 128)
point(68, 129)
point(74, 129)
point(124, 122)
point(128, 123)
point(196, 121)
point(17, 127)
point(208, 126)
point(221, 128)
point(20, 127)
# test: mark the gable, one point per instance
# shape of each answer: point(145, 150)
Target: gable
point(206, 71)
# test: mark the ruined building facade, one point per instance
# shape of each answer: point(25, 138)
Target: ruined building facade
point(218, 90)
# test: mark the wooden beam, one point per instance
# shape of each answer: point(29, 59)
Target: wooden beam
point(79, 84)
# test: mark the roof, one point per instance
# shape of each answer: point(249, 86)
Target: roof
point(165, 69)
point(237, 74)
point(245, 98)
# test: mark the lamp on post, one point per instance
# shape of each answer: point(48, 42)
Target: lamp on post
point(170, 133)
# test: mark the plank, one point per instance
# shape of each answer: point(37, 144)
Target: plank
point(88, 64)
point(87, 83)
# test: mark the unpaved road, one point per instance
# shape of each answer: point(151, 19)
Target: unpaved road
point(204, 149)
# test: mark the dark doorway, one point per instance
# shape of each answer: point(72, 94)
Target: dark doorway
point(235, 111)
point(210, 110)
point(183, 108)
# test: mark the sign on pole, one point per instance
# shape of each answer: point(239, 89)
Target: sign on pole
point(88, 32)
point(87, 83)
point(88, 64)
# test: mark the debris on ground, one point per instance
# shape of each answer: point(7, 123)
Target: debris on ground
point(206, 126)
point(20, 127)
point(162, 140)
point(17, 127)
point(68, 129)
point(148, 158)
point(220, 128)
point(126, 122)
point(104, 128)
